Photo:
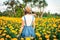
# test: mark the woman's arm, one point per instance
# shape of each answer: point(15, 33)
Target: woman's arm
point(21, 27)
point(20, 30)
point(22, 24)
point(34, 24)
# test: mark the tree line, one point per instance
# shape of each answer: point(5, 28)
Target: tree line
point(15, 8)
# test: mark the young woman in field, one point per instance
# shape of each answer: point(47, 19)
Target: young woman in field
point(28, 24)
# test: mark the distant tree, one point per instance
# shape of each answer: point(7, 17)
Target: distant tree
point(12, 4)
point(40, 4)
point(27, 1)
point(15, 6)
point(0, 13)
point(19, 11)
point(43, 5)
point(45, 14)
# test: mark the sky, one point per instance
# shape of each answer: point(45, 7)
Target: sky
point(53, 6)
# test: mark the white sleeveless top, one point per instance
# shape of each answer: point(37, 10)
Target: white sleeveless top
point(29, 19)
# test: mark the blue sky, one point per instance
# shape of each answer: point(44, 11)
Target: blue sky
point(53, 5)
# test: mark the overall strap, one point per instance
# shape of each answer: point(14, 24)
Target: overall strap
point(25, 20)
point(32, 20)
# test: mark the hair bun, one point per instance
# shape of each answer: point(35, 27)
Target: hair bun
point(28, 9)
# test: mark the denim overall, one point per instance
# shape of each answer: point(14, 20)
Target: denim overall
point(28, 31)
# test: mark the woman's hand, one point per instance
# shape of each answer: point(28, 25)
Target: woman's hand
point(20, 31)
point(33, 24)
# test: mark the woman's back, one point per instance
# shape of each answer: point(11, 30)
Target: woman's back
point(29, 19)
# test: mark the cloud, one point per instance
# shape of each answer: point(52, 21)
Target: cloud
point(53, 6)
point(3, 8)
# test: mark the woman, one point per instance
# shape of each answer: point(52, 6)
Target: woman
point(28, 24)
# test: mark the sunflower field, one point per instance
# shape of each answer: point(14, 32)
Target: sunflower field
point(45, 28)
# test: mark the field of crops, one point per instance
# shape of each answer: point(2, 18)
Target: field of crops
point(46, 28)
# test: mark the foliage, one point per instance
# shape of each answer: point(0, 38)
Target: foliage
point(46, 28)
point(13, 5)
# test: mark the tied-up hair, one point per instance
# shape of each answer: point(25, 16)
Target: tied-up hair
point(27, 10)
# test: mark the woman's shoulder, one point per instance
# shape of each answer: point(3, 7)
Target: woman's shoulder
point(23, 16)
point(28, 16)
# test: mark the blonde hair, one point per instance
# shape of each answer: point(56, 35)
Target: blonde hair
point(28, 9)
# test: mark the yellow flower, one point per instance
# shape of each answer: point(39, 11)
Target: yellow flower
point(54, 25)
point(5, 31)
point(8, 36)
point(14, 39)
point(38, 34)
point(47, 36)
point(1, 38)
point(40, 38)
point(44, 30)
point(1, 31)
point(2, 27)
point(58, 26)
point(3, 34)
point(55, 39)
point(13, 31)
point(27, 38)
point(58, 30)
point(48, 32)
point(11, 27)
point(54, 36)
point(22, 38)
point(48, 39)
